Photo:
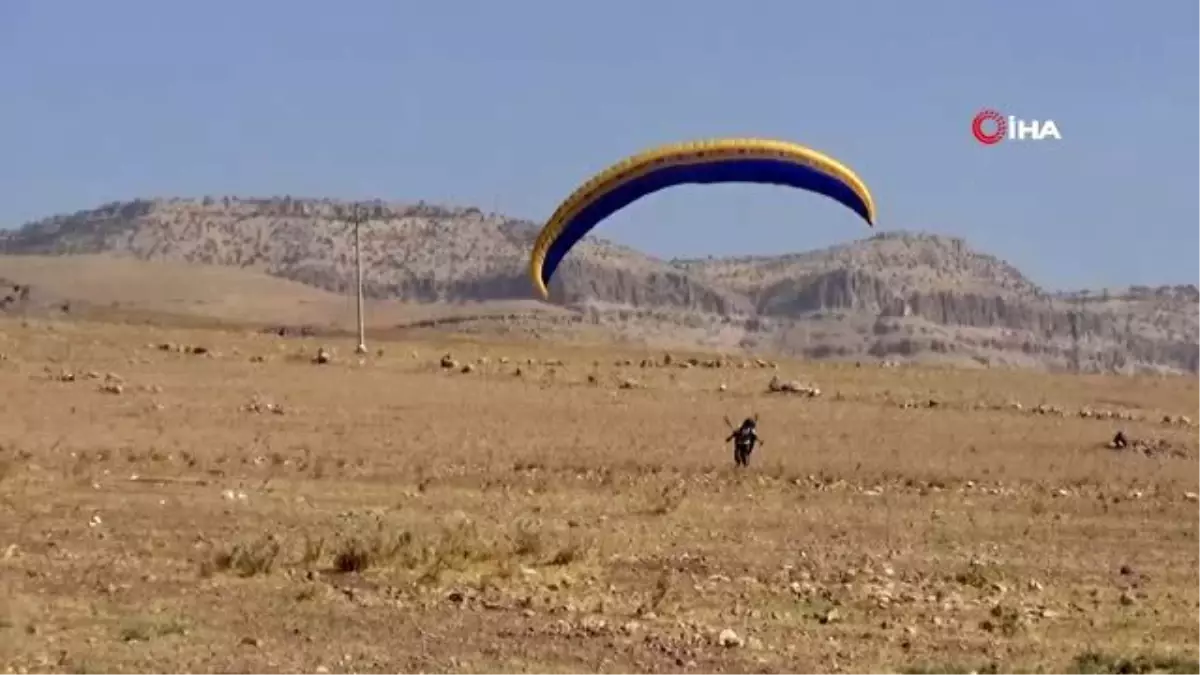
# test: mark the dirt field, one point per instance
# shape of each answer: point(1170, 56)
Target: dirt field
point(247, 510)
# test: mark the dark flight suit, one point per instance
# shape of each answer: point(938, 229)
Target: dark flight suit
point(744, 439)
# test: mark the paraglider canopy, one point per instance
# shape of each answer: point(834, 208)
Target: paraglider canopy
point(730, 160)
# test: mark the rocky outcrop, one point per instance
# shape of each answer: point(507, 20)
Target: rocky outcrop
point(580, 282)
point(419, 252)
point(894, 295)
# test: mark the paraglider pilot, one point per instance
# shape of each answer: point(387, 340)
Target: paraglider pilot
point(744, 439)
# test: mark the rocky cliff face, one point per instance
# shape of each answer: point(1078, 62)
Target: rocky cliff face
point(415, 251)
point(895, 295)
point(912, 283)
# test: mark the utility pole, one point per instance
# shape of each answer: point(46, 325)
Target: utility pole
point(1073, 317)
point(358, 216)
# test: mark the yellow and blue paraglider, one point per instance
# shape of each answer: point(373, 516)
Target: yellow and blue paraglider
point(729, 160)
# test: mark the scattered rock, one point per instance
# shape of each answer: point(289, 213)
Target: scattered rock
point(925, 404)
point(779, 386)
point(323, 356)
point(1160, 447)
point(829, 616)
point(262, 407)
point(1047, 409)
point(594, 625)
point(448, 362)
point(729, 639)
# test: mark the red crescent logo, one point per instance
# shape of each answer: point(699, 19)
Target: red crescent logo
point(996, 134)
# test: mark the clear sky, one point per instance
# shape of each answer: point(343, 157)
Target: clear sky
point(509, 105)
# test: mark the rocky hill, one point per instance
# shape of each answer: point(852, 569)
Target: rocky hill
point(897, 296)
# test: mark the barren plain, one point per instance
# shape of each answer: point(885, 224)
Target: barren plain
point(188, 484)
point(900, 296)
point(193, 499)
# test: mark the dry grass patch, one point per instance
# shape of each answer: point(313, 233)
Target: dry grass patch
point(668, 499)
point(360, 553)
point(246, 559)
point(1099, 662)
point(144, 629)
point(403, 519)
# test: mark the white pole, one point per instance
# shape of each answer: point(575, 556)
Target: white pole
point(362, 337)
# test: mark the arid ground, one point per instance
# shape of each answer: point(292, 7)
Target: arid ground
point(568, 508)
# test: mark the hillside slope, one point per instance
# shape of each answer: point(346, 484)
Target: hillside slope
point(900, 296)
point(417, 252)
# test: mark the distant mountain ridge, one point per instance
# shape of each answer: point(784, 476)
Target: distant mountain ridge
point(896, 295)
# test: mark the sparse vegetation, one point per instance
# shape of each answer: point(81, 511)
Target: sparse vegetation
point(895, 295)
point(413, 518)
point(527, 539)
point(144, 629)
point(991, 668)
point(668, 499)
point(258, 556)
point(1098, 663)
point(357, 553)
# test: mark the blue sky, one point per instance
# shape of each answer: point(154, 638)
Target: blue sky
point(509, 105)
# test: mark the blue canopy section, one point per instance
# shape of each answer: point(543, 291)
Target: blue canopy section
point(764, 171)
